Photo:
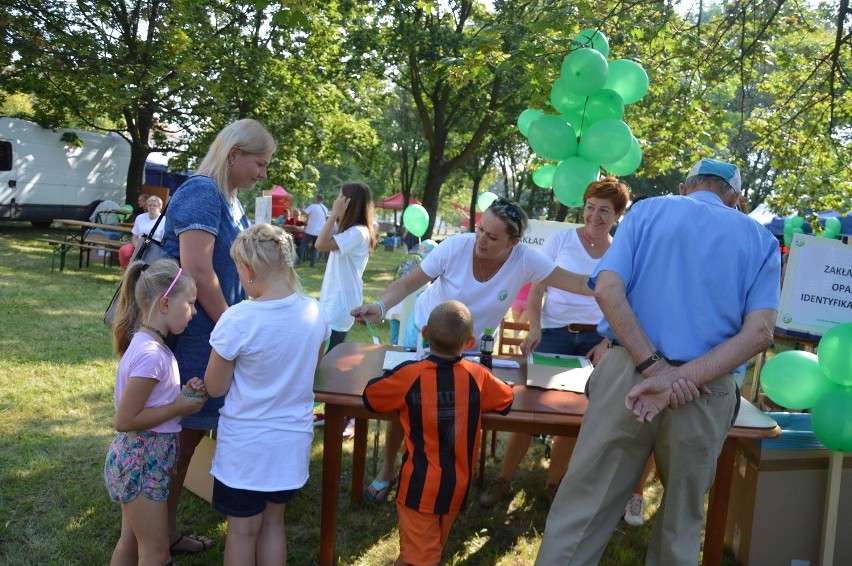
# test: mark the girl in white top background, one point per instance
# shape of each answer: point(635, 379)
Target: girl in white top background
point(265, 352)
point(349, 236)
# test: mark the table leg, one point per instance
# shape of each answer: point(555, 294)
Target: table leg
point(359, 459)
point(332, 448)
point(717, 505)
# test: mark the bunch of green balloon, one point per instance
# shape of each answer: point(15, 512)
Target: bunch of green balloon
point(832, 414)
point(415, 218)
point(590, 96)
point(821, 382)
point(792, 225)
point(832, 228)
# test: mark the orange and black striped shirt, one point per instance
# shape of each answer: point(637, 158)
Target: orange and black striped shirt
point(440, 404)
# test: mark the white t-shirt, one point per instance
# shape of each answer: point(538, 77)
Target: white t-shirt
point(266, 425)
point(562, 308)
point(143, 225)
point(451, 265)
point(342, 287)
point(316, 213)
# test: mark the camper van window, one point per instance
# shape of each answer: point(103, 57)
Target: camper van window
point(5, 156)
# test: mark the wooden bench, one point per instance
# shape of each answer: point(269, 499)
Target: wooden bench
point(61, 247)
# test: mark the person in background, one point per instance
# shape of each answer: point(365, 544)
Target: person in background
point(269, 397)
point(348, 236)
point(295, 225)
point(689, 292)
point(409, 262)
point(141, 205)
point(205, 216)
point(485, 271)
point(440, 450)
point(142, 226)
point(155, 300)
point(567, 322)
point(316, 213)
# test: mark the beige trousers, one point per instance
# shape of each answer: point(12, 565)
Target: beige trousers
point(611, 452)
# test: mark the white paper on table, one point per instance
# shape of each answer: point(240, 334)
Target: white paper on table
point(393, 358)
point(553, 377)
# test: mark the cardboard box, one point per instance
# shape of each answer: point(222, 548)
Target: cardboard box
point(776, 509)
point(198, 478)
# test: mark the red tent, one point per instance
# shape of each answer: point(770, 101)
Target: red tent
point(395, 202)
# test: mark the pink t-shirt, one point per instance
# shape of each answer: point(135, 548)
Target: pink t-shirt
point(146, 358)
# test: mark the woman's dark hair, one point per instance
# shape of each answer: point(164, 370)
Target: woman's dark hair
point(359, 211)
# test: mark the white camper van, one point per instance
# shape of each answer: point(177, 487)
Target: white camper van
point(43, 177)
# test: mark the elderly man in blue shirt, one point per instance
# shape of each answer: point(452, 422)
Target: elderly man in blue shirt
point(689, 290)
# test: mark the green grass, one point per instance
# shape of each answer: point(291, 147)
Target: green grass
point(56, 385)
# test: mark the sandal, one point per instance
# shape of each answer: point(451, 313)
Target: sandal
point(205, 542)
point(380, 491)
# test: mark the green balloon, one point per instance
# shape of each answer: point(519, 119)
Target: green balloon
point(585, 70)
point(832, 420)
point(552, 138)
point(795, 221)
point(415, 219)
point(592, 38)
point(628, 79)
point(833, 226)
point(571, 178)
point(543, 176)
point(527, 117)
point(835, 354)
point(605, 104)
point(605, 141)
point(484, 200)
point(793, 379)
point(563, 98)
point(628, 164)
point(576, 119)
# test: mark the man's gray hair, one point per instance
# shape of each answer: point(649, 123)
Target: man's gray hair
point(718, 182)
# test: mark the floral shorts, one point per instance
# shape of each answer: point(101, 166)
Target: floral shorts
point(140, 462)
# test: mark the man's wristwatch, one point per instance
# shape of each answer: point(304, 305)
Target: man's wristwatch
point(655, 357)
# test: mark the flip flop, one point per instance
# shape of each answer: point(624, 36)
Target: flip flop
point(205, 542)
point(381, 491)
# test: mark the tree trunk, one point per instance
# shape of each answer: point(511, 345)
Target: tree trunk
point(136, 173)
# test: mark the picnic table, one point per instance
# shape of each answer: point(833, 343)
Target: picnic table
point(85, 240)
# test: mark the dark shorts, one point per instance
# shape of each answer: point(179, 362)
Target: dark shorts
point(245, 502)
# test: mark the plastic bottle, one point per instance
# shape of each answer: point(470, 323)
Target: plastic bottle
point(486, 348)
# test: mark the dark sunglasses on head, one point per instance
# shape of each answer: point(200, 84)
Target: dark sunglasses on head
point(511, 209)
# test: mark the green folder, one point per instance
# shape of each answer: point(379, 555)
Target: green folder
point(568, 362)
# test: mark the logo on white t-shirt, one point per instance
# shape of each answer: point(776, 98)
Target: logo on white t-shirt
point(504, 294)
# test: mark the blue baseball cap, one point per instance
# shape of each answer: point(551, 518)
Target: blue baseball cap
point(727, 171)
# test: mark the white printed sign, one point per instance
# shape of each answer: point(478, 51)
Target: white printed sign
point(539, 230)
point(817, 291)
point(263, 209)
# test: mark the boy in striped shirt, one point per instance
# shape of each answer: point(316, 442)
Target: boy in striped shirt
point(440, 401)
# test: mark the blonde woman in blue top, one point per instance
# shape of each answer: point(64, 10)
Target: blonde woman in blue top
point(204, 217)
